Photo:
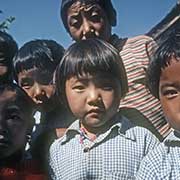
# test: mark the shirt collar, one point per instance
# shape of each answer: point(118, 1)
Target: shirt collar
point(122, 124)
point(173, 139)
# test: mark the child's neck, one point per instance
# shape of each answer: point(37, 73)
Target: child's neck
point(12, 160)
point(92, 133)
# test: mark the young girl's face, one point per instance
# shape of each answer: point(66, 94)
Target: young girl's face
point(169, 93)
point(94, 99)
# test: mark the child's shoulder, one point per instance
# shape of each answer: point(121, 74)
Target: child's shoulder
point(55, 145)
point(68, 134)
point(129, 125)
point(165, 154)
point(137, 132)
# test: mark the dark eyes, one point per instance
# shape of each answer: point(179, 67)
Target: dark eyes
point(95, 17)
point(91, 16)
point(75, 22)
point(13, 119)
point(170, 93)
point(104, 87)
point(27, 83)
point(79, 88)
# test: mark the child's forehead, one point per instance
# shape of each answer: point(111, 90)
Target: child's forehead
point(35, 72)
point(98, 74)
point(9, 98)
point(12, 96)
point(8, 95)
point(170, 62)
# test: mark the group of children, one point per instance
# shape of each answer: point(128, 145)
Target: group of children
point(45, 89)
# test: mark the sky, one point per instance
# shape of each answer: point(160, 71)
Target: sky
point(40, 19)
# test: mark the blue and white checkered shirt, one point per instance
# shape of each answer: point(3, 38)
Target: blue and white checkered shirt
point(163, 163)
point(116, 154)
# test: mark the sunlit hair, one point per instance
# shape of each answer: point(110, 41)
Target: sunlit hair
point(42, 54)
point(168, 49)
point(90, 57)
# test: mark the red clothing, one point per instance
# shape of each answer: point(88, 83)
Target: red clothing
point(28, 170)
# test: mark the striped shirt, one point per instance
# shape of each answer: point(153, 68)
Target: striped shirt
point(163, 162)
point(115, 154)
point(135, 53)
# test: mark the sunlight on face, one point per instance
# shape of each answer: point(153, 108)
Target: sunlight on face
point(94, 99)
point(169, 92)
point(88, 21)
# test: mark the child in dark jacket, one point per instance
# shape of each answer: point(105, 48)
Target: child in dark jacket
point(164, 83)
point(16, 122)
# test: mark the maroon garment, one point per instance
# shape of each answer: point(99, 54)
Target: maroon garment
point(28, 170)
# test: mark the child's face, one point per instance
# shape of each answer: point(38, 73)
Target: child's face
point(169, 93)
point(13, 124)
point(39, 87)
point(93, 99)
point(3, 72)
point(3, 69)
point(87, 21)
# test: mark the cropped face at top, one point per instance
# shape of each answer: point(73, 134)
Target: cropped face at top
point(39, 86)
point(4, 71)
point(93, 98)
point(8, 48)
point(169, 92)
point(87, 20)
point(14, 123)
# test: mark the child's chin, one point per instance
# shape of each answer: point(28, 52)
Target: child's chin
point(94, 122)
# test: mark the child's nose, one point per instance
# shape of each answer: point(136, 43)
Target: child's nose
point(38, 92)
point(93, 97)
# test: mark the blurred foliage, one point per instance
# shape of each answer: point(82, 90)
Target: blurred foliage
point(5, 24)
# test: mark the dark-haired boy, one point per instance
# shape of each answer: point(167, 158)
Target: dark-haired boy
point(16, 123)
point(164, 83)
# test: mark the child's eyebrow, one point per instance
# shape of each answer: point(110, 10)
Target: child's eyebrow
point(170, 84)
point(26, 79)
point(82, 80)
point(13, 108)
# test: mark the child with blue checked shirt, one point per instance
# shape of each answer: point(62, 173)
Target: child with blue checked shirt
point(164, 82)
point(100, 144)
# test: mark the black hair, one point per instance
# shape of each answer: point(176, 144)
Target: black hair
point(90, 56)
point(8, 48)
point(22, 99)
point(41, 53)
point(106, 5)
point(168, 49)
